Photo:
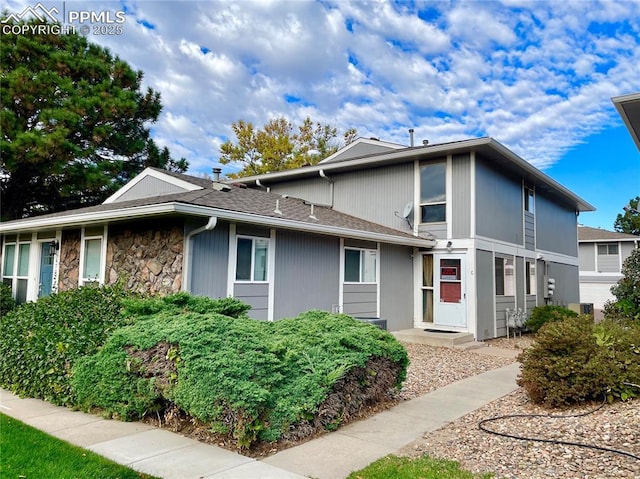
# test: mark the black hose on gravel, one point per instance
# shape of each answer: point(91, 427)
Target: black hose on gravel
point(482, 427)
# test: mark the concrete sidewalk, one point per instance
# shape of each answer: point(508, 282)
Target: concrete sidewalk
point(331, 456)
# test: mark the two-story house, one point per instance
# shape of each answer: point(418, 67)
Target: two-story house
point(503, 229)
point(601, 254)
point(443, 237)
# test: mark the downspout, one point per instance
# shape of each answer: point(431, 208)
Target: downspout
point(323, 175)
point(260, 185)
point(186, 260)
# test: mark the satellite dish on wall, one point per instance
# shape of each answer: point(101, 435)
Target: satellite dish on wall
point(407, 210)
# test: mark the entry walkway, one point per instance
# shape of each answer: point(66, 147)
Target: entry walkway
point(331, 456)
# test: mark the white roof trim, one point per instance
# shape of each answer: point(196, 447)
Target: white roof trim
point(83, 219)
point(187, 186)
point(368, 141)
point(618, 102)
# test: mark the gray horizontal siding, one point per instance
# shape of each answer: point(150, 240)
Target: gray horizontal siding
point(586, 256)
point(307, 273)
point(360, 300)
point(608, 263)
point(255, 295)
point(502, 304)
point(529, 231)
point(595, 278)
point(149, 186)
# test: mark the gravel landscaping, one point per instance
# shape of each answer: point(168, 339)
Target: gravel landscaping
point(615, 426)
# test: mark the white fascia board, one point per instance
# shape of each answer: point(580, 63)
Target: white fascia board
point(406, 153)
point(536, 173)
point(83, 219)
point(618, 102)
point(367, 141)
point(156, 174)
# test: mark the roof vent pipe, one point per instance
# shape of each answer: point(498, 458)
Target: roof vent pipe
point(411, 137)
point(216, 175)
point(425, 142)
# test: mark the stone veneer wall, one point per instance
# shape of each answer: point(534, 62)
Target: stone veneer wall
point(69, 260)
point(147, 256)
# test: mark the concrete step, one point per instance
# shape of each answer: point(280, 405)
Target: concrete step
point(433, 338)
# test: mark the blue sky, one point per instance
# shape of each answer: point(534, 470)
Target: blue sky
point(537, 76)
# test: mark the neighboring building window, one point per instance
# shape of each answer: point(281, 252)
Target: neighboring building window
point(433, 206)
point(360, 265)
point(609, 249)
point(529, 200)
point(530, 278)
point(251, 259)
point(92, 263)
point(15, 269)
point(505, 279)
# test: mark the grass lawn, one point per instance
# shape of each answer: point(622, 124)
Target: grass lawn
point(26, 453)
point(394, 467)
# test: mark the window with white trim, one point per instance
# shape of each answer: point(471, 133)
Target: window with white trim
point(433, 198)
point(530, 278)
point(608, 249)
point(252, 255)
point(360, 265)
point(15, 269)
point(91, 257)
point(505, 278)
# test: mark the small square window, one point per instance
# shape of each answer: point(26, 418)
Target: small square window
point(252, 259)
point(360, 265)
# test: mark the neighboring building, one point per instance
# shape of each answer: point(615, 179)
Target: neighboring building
point(601, 255)
point(444, 237)
point(628, 107)
point(502, 228)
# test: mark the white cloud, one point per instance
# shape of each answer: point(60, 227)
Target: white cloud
point(537, 76)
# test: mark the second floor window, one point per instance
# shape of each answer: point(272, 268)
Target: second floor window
point(433, 198)
point(608, 249)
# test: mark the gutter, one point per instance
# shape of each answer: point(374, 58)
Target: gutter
point(323, 175)
point(84, 219)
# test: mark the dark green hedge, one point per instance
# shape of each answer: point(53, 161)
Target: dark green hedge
point(246, 378)
point(40, 341)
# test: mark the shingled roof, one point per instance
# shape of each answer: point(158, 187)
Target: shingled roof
point(229, 202)
point(588, 234)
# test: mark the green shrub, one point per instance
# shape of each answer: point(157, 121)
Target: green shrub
point(183, 303)
point(626, 291)
point(248, 379)
point(575, 360)
point(544, 314)
point(39, 342)
point(7, 302)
